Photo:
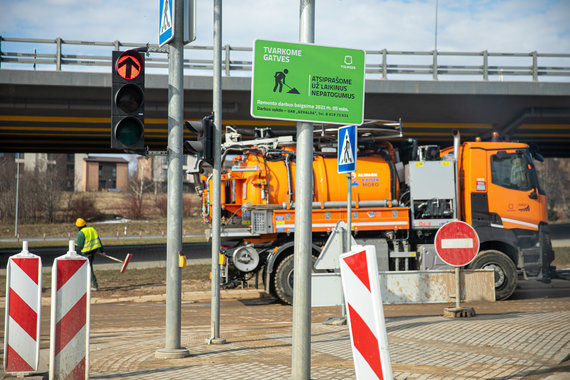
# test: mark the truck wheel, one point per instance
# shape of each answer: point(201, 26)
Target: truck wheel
point(505, 271)
point(283, 279)
point(547, 251)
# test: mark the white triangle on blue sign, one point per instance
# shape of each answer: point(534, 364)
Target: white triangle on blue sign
point(346, 156)
point(166, 20)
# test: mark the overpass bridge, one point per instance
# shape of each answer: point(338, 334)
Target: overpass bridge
point(55, 94)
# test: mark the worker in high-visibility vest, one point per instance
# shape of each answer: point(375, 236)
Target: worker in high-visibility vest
point(88, 244)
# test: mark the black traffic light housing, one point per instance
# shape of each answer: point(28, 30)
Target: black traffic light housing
point(127, 103)
point(204, 144)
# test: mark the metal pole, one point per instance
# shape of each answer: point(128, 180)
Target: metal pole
point(174, 202)
point(301, 336)
point(348, 209)
point(457, 288)
point(216, 179)
point(348, 236)
point(58, 55)
point(457, 211)
point(436, 6)
point(435, 46)
point(17, 160)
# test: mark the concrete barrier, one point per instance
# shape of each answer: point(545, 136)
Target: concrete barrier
point(412, 287)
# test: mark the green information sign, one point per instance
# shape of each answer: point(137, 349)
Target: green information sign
point(305, 82)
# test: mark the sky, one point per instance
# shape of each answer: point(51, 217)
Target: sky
point(404, 25)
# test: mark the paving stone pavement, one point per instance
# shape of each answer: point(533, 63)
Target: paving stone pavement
point(499, 346)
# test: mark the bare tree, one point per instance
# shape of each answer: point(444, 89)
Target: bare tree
point(554, 178)
point(134, 205)
point(52, 182)
point(7, 187)
point(39, 193)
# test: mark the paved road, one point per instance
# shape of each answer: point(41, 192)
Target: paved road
point(154, 255)
point(527, 337)
point(144, 256)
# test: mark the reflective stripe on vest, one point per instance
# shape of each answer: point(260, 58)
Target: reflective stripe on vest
point(91, 239)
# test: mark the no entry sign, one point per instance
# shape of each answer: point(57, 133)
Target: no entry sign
point(457, 243)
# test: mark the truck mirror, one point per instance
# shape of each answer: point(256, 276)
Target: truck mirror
point(533, 195)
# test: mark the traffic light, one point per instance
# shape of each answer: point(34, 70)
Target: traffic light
point(204, 144)
point(127, 118)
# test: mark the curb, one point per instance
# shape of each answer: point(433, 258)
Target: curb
point(186, 297)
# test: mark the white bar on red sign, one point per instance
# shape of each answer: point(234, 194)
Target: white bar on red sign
point(70, 309)
point(368, 336)
point(23, 306)
point(457, 243)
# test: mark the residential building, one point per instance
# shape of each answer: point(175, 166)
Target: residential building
point(105, 173)
point(155, 169)
point(77, 172)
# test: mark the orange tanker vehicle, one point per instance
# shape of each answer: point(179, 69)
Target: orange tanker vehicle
point(401, 194)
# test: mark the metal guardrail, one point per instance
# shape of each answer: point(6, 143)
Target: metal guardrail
point(381, 64)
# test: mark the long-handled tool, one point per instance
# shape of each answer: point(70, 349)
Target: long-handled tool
point(292, 90)
point(125, 262)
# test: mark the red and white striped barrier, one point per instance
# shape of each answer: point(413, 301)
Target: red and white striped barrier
point(70, 309)
point(23, 305)
point(368, 336)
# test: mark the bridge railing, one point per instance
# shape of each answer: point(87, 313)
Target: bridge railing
point(46, 54)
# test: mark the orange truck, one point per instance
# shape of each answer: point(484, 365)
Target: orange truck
point(401, 194)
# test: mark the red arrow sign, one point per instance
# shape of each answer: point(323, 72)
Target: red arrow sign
point(456, 243)
point(129, 65)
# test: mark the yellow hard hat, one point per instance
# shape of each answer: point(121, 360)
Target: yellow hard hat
point(80, 222)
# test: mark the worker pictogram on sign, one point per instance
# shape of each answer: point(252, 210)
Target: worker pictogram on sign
point(368, 336)
point(70, 306)
point(166, 19)
point(165, 22)
point(23, 305)
point(457, 243)
point(346, 156)
point(129, 66)
point(346, 149)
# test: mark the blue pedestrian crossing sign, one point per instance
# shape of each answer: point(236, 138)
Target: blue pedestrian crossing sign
point(346, 151)
point(165, 22)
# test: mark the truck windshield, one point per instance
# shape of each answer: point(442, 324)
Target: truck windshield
point(510, 170)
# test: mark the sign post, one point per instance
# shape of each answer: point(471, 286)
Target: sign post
point(173, 348)
point(457, 244)
point(346, 159)
point(306, 83)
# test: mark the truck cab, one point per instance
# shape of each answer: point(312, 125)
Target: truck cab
point(502, 199)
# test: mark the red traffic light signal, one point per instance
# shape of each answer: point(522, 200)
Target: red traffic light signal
point(127, 102)
point(130, 65)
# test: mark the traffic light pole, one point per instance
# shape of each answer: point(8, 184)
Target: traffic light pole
point(216, 176)
point(301, 337)
point(175, 153)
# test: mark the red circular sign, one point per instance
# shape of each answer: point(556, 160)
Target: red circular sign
point(456, 243)
point(129, 65)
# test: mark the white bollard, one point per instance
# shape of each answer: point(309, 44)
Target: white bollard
point(368, 335)
point(70, 309)
point(23, 306)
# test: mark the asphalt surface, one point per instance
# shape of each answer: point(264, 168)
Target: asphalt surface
point(527, 337)
point(144, 256)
